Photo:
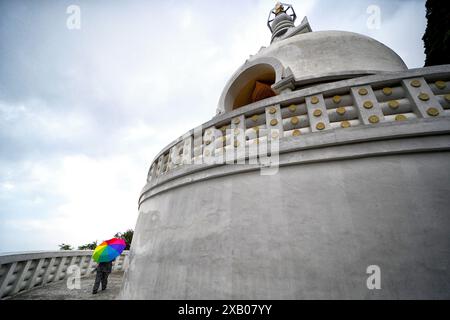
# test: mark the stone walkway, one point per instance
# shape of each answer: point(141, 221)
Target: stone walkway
point(59, 290)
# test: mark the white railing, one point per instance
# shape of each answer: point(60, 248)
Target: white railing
point(366, 101)
point(20, 272)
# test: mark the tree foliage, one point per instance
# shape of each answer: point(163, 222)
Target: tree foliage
point(437, 34)
point(88, 246)
point(127, 236)
point(64, 246)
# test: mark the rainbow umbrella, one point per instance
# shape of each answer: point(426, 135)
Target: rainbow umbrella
point(108, 250)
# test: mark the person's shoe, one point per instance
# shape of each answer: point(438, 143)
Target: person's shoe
point(94, 292)
point(103, 289)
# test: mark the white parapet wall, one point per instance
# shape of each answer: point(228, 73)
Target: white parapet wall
point(23, 271)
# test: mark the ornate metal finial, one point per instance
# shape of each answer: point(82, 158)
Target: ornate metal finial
point(283, 13)
point(278, 8)
point(281, 22)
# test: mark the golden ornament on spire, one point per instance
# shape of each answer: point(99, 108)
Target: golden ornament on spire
point(279, 8)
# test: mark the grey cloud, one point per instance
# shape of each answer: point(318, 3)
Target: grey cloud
point(136, 76)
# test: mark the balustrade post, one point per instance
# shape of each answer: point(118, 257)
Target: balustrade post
point(369, 109)
point(317, 113)
point(6, 278)
point(186, 157)
point(59, 269)
point(81, 265)
point(46, 275)
point(423, 101)
point(20, 278)
point(36, 273)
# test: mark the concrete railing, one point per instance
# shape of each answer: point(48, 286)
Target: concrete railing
point(366, 101)
point(20, 272)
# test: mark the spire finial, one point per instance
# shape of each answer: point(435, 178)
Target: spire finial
point(280, 19)
point(278, 8)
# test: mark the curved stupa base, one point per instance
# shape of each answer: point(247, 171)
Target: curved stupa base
point(310, 231)
point(358, 207)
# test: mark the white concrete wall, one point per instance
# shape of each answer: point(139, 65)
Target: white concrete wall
point(308, 232)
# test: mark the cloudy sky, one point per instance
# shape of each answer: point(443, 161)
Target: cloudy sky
point(84, 111)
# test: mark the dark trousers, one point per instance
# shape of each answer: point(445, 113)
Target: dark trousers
point(101, 277)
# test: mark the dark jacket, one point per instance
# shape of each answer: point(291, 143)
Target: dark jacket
point(105, 267)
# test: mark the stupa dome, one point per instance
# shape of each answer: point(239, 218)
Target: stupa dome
point(309, 58)
point(320, 53)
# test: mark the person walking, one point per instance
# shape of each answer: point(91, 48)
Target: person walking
point(105, 254)
point(103, 270)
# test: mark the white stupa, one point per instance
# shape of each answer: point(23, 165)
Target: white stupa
point(361, 180)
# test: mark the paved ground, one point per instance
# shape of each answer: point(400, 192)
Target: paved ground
point(59, 290)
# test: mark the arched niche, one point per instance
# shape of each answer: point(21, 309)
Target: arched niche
point(238, 91)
